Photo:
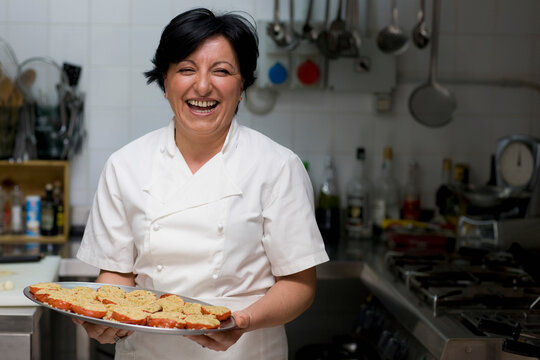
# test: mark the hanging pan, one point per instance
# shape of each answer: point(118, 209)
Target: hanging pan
point(431, 104)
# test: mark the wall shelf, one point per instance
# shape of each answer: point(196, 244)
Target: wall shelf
point(31, 176)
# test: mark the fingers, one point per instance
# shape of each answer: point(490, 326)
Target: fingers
point(103, 334)
point(242, 319)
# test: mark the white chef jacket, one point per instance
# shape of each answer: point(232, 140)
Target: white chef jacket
point(220, 235)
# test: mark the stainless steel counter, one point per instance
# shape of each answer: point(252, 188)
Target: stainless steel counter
point(443, 336)
point(19, 333)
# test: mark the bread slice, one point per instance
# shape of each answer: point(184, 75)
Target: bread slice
point(61, 299)
point(170, 302)
point(43, 294)
point(129, 315)
point(109, 294)
point(43, 285)
point(192, 309)
point(201, 322)
point(141, 297)
point(83, 292)
point(167, 319)
point(87, 307)
point(220, 312)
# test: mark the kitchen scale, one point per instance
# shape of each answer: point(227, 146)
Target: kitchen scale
point(518, 163)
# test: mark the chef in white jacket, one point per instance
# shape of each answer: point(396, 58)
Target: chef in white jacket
point(205, 207)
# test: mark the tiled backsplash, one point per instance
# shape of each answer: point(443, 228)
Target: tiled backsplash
point(114, 41)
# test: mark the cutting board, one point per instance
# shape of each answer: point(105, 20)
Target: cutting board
point(25, 274)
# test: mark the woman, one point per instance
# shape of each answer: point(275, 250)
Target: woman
point(207, 208)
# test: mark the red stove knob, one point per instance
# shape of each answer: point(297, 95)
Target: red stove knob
point(308, 73)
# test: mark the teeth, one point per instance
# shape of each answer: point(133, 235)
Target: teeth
point(202, 103)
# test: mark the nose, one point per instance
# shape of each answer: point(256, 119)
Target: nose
point(203, 84)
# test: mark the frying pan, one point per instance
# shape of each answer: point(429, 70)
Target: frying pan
point(431, 104)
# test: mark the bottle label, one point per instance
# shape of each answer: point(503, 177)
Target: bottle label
point(16, 219)
point(356, 215)
point(60, 219)
point(411, 208)
point(379, 211)
point(47, 219)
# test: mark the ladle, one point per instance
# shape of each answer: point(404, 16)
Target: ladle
point(337, 30)
point(431, 104)
point(283, 36)
point(325, 40)
point(420, 33)
point(276, 29)
point(308, 31)
point(293, 39)
point(392, 39)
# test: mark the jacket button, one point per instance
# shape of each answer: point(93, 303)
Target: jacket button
point(156, 227)
point(159, 268)
point(162, 149)
point(215, 276)
point(220, 227)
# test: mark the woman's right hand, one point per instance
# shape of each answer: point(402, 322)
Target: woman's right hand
point(103, 334)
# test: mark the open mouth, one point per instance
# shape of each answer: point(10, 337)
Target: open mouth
point(202, 107)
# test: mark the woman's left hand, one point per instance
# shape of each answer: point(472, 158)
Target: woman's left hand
point(222, 340)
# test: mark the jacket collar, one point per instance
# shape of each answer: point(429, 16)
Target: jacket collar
point(173, 188)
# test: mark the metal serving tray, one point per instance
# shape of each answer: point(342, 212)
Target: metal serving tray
point(225, 325)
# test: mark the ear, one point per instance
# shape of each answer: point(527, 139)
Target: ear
point(165, 87)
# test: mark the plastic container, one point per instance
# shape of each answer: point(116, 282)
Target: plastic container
point(33, 215)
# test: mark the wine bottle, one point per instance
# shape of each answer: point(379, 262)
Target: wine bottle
point(386, 204)
point(47, 212)
point(327, 212)
point(411, 195)
point(358, 222)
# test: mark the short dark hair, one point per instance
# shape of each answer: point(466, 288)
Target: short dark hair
point(188, 30)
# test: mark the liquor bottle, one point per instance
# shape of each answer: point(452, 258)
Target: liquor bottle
point(327, 211)
point(47, 212)
point(358, 222)
point(386, 204)
point(3, 203)
point(58, 198)
point(446, 197)
point(411, 194)
point(17, 226)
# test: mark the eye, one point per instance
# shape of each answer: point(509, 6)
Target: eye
point(222, 72)
point(186, 70)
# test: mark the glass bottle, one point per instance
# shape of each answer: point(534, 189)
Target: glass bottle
point(17, 226)
point(411, 194)
point(358, 222)
point(386, 204)
point(47, 212)
point(446, 197)
point(327, 211)
point(58, 198)
point(3, 203)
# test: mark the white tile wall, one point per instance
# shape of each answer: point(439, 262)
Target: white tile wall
point(114, 41)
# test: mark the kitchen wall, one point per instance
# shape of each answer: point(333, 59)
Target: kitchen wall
point(114, 41)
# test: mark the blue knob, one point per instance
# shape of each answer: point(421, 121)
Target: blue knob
point(277, 73)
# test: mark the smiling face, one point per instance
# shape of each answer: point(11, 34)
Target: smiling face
point(204, 90)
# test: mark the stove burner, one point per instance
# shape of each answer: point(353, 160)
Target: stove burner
point(455, 282)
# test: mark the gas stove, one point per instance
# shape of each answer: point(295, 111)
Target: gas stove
point(488, 292)
point(459, 282)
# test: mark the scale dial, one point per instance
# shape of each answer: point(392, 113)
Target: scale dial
point(516, 164)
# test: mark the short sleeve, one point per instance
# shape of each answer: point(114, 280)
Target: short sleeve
point(291, 238)
point(107, 241)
